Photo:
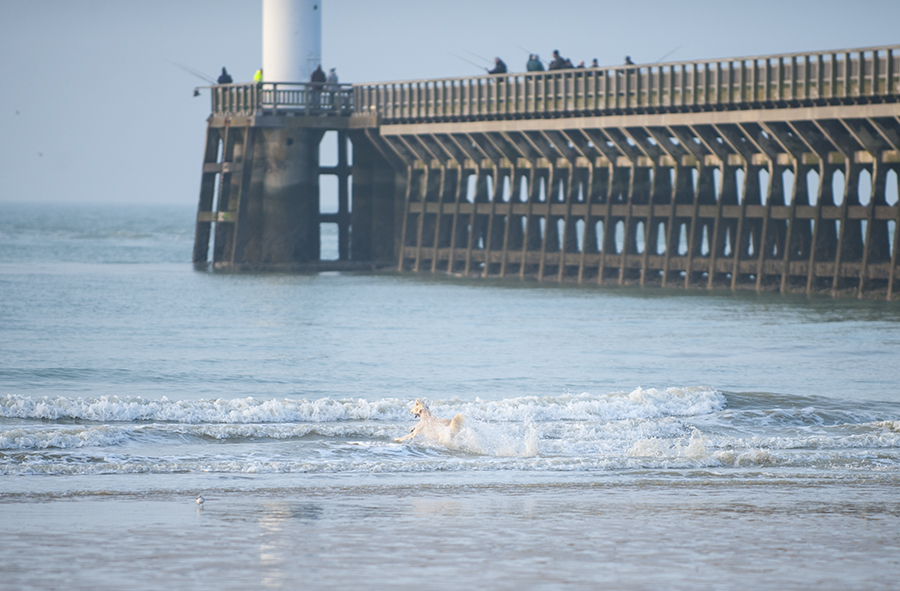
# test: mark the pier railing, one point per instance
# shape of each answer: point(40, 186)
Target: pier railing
point(831, 77)
point(282, 97)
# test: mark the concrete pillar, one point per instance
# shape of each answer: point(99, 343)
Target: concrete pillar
point(375, 208)
point(279, 219)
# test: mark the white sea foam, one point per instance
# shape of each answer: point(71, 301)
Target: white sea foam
point(695, 447)
point(645, 429)
point(73, 437)
point(753, 457)
point(640, 403)
point(646, 448)
point(430, 460)
point(239, 410)
point(889, 425)
point(62, 438)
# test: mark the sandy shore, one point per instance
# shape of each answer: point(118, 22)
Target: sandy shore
point(548, 536)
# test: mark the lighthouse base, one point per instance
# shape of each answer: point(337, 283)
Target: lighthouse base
point(260, 196)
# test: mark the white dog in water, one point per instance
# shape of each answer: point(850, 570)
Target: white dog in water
point(441, 430)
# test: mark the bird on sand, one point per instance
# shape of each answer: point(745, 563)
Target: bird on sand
point(200, 500)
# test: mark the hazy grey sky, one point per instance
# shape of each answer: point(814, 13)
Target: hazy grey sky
point(92, 110)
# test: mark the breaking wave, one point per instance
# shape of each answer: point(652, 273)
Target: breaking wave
point(644, 429)
point(638, 404)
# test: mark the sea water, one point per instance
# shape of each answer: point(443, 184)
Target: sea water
point(613, 437)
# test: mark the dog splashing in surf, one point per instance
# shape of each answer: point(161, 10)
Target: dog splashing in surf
point(431, 427)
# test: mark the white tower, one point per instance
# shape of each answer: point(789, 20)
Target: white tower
point(292, 39)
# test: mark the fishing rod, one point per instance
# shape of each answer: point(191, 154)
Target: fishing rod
point(468, 61)
point(481, 57)
point(194, 72)
point(670, 53)
point(530, 53)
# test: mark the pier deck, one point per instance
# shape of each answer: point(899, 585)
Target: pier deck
point(771, 172)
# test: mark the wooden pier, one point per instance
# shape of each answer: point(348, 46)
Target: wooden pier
point(764, 173)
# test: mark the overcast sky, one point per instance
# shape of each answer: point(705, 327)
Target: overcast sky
point(92, 109)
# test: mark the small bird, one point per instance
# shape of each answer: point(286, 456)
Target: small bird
point(200, 500)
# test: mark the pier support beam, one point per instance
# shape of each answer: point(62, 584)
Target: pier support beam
point(701, 206)
point(375, 210)
point(279, 222)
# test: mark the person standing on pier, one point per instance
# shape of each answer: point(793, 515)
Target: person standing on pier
point(318, 81)
point(225, 77)
point(499, 67)
point(257, 77)
point(318, 76)
point(534, 63)
point(331, 81)
point(559, 62)
point(331, 87)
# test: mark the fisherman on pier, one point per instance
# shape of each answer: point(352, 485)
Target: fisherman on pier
point(225, 77)
point(534, 63)
point(318, 76)
point(559, 63)
point(499, 67)
point(318, 81)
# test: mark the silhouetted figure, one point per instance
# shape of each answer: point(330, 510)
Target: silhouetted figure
point(628, 61)
point(318, 81)
point(534, 63)
point(558, 63)
point(594, 63)
point(331, 86)
point(581, 64)
point(225, 77)
point(331, 81)
point(499, 67)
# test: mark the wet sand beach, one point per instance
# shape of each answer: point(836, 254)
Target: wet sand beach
point(646, 535)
